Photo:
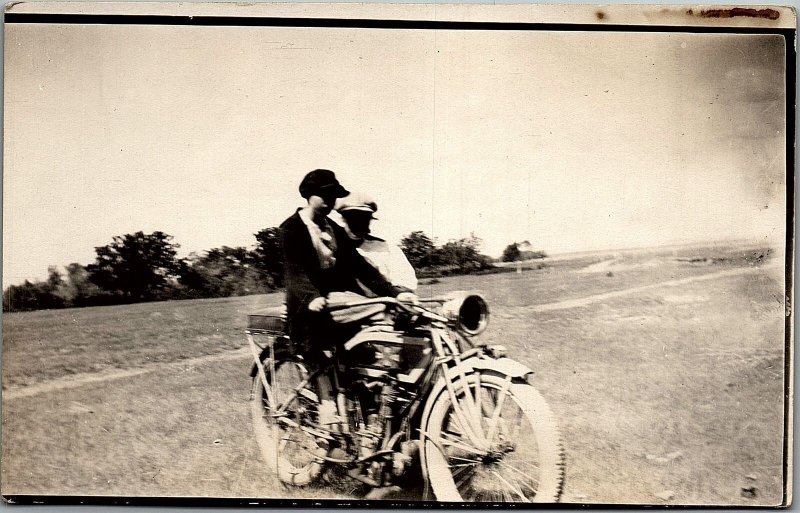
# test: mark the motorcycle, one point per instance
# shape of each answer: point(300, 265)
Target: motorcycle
point(417, 389)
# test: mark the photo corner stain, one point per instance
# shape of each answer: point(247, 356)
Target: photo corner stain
point(11, 5)
point(736, 12)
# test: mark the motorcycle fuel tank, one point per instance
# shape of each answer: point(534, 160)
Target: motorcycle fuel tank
point(406, 355)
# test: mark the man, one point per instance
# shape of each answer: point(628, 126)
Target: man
point(357, 211)
point(319, 258)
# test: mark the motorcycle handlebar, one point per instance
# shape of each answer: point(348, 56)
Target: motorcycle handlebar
point(408, 306)
point(362, 302)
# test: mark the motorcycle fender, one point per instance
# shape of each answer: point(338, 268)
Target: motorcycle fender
point(503, 366)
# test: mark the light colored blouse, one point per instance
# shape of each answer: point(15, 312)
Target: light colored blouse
point(390, 261)
point(322, 239)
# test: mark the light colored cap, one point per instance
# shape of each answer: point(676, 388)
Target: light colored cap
point(356, 201)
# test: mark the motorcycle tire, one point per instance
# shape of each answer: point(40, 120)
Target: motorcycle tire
point(292, 454)
point(524, 466)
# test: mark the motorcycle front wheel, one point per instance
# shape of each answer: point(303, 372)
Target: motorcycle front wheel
point(290, 452)
point(511, 450)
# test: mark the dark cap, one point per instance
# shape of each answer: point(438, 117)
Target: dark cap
point(321, 182)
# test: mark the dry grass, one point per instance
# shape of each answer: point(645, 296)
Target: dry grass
point(42, 345)
point(671, 389)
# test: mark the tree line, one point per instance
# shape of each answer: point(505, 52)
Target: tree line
point(142, 267)
point(454, 257)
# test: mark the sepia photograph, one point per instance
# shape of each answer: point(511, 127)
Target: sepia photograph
point(397, 254)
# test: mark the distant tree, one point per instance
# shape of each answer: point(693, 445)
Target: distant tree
point(54, 278)
point(268, 256)
point(526, 251)
point(511, 253)
point(223, 272)
point(138, 266)
point(532, 255)
point(58, 285)
point(78, 290)
point(193, 279)
point(418, 248)
point(30, 296)
point(462, 255)
point(17, 298)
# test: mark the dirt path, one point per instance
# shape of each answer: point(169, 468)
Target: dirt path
point(96, 377)
point(78, 380)
point(600, 266)
point(585, 301)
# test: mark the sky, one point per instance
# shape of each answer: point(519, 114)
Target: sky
point(572, 140)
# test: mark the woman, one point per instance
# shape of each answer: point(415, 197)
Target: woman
point(357, 211)
point(319, 259)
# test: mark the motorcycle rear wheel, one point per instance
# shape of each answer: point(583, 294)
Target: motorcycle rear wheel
point(526, 460)
point(290, 452)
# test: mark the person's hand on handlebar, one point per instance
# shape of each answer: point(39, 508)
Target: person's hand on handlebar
point(317, 304)
point(408, 297)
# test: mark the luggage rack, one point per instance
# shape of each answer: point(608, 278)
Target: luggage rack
point(268, 326)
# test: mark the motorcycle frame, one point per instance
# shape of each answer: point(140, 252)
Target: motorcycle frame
point(332, 369)
point(451, 365)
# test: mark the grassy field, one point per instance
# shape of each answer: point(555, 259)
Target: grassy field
point(669, 390)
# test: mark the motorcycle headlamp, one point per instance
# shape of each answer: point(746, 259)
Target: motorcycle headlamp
point(467, 311)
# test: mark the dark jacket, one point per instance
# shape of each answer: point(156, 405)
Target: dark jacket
point(305, 280)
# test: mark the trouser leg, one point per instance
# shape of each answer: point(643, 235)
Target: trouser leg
point(328, 417)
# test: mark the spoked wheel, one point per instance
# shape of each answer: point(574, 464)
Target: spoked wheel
point(500, 444)
point(292, 453)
